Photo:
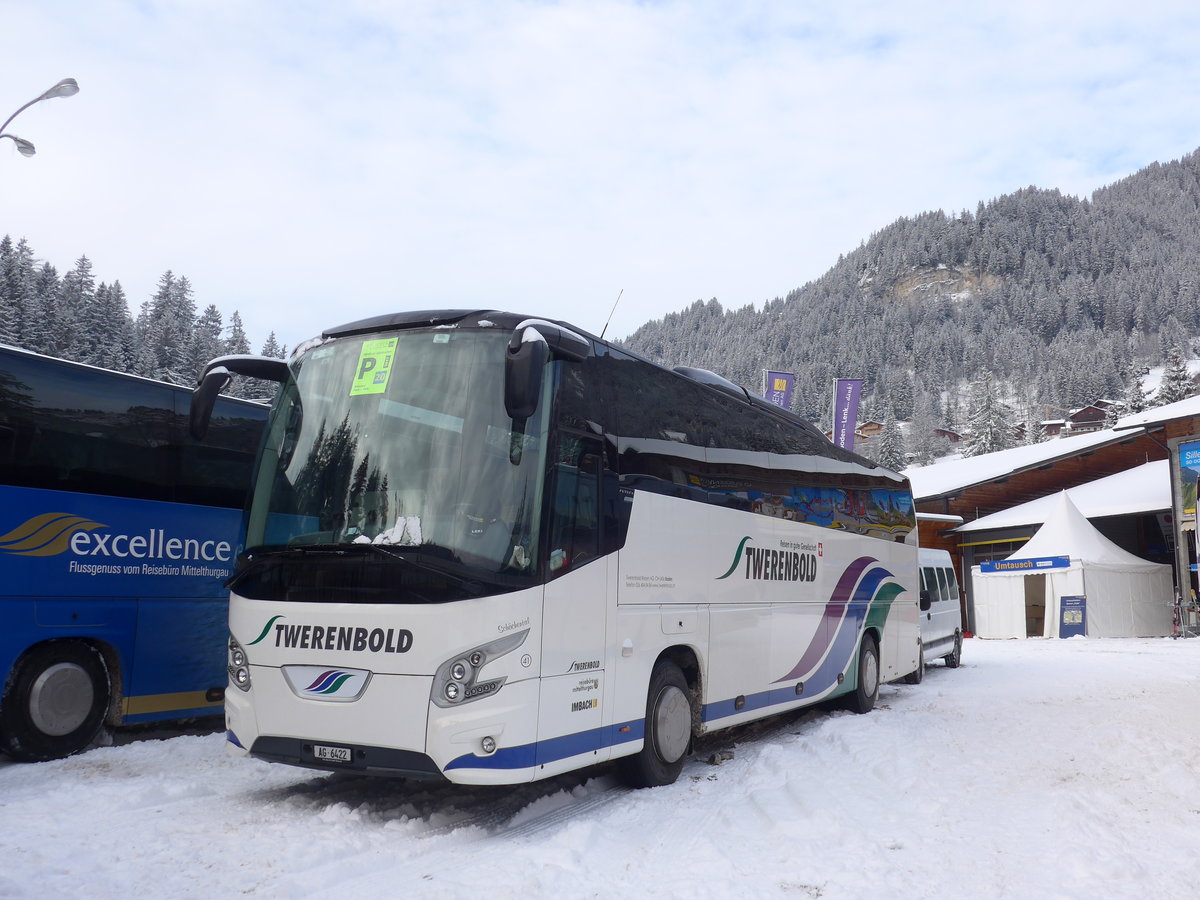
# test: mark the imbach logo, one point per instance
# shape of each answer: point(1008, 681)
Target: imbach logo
point(772, 565)
point(46, 535)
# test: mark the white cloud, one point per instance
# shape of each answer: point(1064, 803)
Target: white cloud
point(309, 165)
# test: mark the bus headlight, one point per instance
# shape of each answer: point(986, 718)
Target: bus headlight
point(238, 665)
point(457, 680)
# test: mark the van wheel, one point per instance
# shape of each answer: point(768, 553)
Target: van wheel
point(866, 691)
point(668, 730)
point(919, 675)
point(55, 702)
point(954, 657)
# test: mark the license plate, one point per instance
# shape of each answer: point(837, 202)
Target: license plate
point(332, 754)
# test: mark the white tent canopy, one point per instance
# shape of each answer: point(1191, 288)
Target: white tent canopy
point(1126, 596)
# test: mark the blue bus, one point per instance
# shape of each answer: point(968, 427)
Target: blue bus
point(117, 532)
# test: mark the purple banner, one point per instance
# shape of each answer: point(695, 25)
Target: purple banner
point(846, 392)
point(777, 388)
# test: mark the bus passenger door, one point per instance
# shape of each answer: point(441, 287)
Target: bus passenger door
point(574, 611)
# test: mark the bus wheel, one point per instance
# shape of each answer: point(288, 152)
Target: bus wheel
point(954, 657)
point(668, 730)
point(867, 689)
point(55, 702)
point(919, 675)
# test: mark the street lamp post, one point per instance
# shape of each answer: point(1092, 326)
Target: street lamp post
point(68, 87)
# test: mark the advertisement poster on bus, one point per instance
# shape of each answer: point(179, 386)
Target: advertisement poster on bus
point(65, 544)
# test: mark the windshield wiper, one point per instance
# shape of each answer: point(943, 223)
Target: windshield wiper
point(255, 561)
point(390, 552)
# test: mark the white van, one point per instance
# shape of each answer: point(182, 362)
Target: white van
point(941, 615)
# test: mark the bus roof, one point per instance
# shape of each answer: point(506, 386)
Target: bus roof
point(31, 354)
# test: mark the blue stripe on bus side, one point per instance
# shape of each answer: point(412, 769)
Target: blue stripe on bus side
point(541, 752)
point(836, 662)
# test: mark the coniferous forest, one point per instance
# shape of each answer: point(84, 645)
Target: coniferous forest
point(72, 317)
point(1035, 304)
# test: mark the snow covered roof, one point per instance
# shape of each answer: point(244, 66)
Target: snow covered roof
point(1067, 533)
point(1146, 488)
point(1181, 409)
point(954, 475)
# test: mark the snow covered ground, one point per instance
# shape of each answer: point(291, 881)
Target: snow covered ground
point(1038, 769)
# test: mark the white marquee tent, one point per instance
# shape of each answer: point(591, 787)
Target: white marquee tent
point(1126, 596)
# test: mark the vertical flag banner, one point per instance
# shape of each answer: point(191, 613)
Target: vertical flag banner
point(846, 392)
point(777, 388)
point(1189, 475)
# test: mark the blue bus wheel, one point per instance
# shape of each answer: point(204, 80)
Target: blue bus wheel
point(55, 702)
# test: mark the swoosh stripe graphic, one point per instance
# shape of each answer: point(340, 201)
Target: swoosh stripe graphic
point(835, 610)
point(25, 529)
point(52, 537)
point(337, 683)
point(845, 641)
point(266, 628)
point(881, 606)
point(321, 679)
point(737, 558)
point(328, 682)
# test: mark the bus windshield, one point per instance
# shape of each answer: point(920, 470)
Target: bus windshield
point(401, 440)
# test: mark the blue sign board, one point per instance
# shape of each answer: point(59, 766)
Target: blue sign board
point(1036, 564)
point(1073, 617)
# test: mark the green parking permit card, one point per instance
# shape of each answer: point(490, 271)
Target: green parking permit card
point(374, 367)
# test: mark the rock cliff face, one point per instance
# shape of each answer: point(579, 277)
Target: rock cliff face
point(951, 282)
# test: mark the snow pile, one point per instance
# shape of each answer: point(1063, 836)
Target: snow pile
point(1039, 768)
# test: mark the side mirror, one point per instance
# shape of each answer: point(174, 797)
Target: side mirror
point(533, 343)
point(523, 372)
point(204, 397)
point(926, 601)
point(216, 376)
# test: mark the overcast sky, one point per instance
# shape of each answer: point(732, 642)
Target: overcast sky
point(309, 163)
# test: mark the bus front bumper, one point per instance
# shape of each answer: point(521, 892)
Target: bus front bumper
point(392, 729)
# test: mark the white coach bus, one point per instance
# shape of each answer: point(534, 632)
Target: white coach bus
point(491, 549)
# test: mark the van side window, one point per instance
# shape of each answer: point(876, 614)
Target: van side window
point(951, 583)
point(943, 591)
point(929, 578)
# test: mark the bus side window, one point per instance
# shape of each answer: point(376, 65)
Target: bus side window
point(574, 534)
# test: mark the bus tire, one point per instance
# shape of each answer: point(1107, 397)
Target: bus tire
point(917, 676)
point(668, 730)
point(954, 657)
point(866, 688)
point(55, 702)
